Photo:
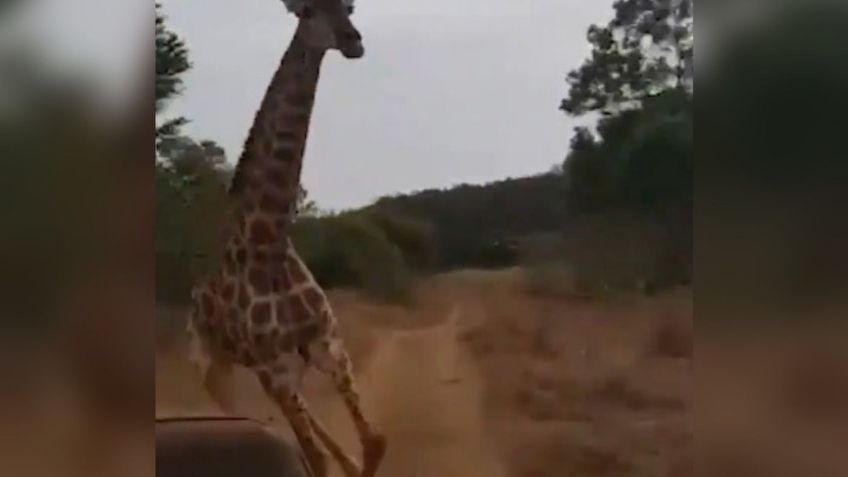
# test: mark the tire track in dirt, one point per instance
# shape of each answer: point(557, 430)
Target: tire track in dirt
point(424, 391)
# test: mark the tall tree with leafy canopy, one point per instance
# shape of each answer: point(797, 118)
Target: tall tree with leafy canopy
point(645, 49)
point(171, 62)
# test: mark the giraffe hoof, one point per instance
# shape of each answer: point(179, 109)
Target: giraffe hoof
point(374, 450)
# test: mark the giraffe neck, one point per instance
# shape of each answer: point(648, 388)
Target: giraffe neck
point(267, 176)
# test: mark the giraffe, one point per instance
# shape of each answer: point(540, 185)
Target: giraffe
point(262, 308)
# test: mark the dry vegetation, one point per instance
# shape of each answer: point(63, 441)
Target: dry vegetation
point(481, 377)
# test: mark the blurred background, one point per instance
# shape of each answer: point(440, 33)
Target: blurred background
point(769, 221)
point(76, 249)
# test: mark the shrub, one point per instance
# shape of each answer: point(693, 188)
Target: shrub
point(348, 250)
point(414, 238)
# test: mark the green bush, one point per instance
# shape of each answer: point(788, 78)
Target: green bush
point(350, 251)
point(414, 238)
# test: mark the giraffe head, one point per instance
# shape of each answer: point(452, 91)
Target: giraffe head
point(326, 24)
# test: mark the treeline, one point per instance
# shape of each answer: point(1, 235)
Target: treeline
point(477, 225)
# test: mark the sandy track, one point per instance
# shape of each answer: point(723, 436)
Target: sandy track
point(425, 393)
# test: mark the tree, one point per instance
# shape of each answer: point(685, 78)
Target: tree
point(306, 207)
point(641, 159)
point(645, 49)
point(191, 208)
point(171, 62)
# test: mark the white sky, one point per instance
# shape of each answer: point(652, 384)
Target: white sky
point(448, 91)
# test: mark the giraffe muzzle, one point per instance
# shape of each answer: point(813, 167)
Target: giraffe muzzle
point(350, 45)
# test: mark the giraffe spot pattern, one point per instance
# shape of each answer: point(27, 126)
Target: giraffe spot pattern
point(241, 256)
point(228, 292)
point(307, 333)
point(259, 280)
point(300, 100)
point(300, 313)
point(314, 299)
point(261, 233)
point(295, 116)
point(284, 154)
point(274, 204)
point(276, 176)
point(287, 137)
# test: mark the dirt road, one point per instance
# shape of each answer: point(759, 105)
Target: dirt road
point(425, 392)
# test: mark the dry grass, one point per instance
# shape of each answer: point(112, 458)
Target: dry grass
point(566, 387)
point(599, 388)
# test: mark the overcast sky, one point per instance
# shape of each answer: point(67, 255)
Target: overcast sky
point(448, 91)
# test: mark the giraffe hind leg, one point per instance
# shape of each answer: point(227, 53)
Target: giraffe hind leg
point(215, 373)
point(329, 356)
point(294, 409)
point(219, 383)
point(349, 466)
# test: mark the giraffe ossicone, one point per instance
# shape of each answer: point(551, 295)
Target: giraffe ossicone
point(294, 6)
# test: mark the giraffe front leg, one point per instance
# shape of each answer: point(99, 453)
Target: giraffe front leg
point(215, 373)
point(331, 357)
point(294, 409)
point(218, 382)
point(349, 466)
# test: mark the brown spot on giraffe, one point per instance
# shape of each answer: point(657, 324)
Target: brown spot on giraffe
point(264, 347)
point(260, 314)
point(230, 265)
point(261, 233)
point(241, 256)
point(287, 137)
point(303, 100)
point(260, 280)
point(300, 313)
point(284, 154)
point(286, 342)
point(308, 332)
point(277, 176)
point(228, 292)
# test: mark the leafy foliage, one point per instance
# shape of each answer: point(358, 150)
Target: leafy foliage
point(191, 208)
point(642, 158)
point(349, 251)
point(172, 62)
point(476, 225)
point(645, 49)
